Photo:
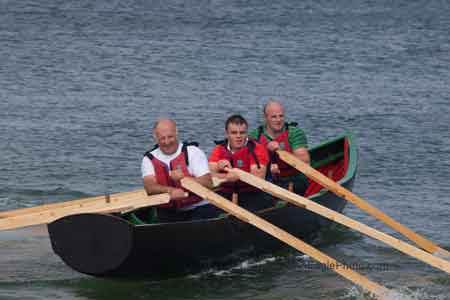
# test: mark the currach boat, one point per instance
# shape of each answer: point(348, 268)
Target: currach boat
point(112, 245)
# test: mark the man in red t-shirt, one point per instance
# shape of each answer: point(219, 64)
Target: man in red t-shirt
point(238, 151)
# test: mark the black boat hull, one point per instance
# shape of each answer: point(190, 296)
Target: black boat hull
point(108, 245)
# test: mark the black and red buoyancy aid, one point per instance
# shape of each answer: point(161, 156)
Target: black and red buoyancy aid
point(283, 141)
point(240, 159)
point(181, 162)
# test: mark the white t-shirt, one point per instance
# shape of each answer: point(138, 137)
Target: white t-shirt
point(198, 165)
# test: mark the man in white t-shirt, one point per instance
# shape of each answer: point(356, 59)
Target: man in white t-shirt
point(164, 167)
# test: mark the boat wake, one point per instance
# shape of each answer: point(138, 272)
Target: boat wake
point(356, 293)
point(235, 270)
point(252, 264)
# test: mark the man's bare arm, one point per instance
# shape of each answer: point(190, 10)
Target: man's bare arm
point(219, 172)
point(152, 187)
point(205, 180)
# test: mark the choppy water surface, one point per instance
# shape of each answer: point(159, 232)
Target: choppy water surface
point(81, 82)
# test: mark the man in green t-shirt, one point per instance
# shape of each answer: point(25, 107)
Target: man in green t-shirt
point(277, 134)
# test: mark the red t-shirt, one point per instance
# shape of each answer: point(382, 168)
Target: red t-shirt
point(260, 152)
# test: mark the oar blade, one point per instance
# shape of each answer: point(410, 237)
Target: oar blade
point(312, 206)
point(342, 192)
point(284, 236)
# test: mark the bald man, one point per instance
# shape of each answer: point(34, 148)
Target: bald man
point(163, 168)
point(276, 134)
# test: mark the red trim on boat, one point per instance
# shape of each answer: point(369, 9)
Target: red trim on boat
point(335, 170)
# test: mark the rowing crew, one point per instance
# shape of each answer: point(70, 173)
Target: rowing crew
point(254, 152)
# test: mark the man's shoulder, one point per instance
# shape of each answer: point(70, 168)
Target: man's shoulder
point(296, 130)
point(297, 137)
point(145, 159)
point(152, 152)
point(194, 150)
point(215, 154)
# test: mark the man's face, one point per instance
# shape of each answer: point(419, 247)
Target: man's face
point(274, 117)
point(166, 137)
point(237, 135)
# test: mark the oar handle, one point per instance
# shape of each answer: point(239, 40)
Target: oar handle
point(235, 198)
point(103, 204)
point(290, 186)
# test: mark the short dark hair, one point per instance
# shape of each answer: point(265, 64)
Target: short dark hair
point(235, 119)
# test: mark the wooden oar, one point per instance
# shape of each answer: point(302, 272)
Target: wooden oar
point(44, 214)
point(295, 199)
point(364, 205)
point(10, 213)
point(248, 217)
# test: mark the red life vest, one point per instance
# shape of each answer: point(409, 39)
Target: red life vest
point(283, 141)
point(181, 162)
point(240, 159)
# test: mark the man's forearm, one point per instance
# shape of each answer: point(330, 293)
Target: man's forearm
point(205, 180)
point(155, 188)
point(214, 169)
